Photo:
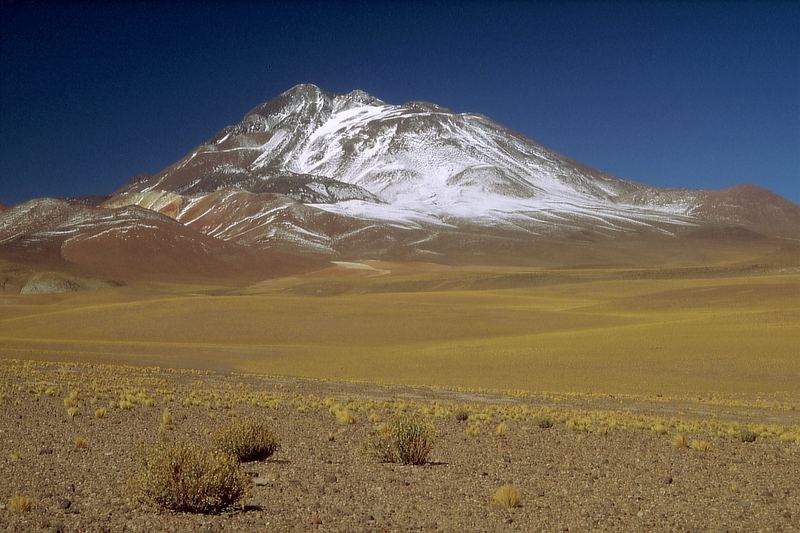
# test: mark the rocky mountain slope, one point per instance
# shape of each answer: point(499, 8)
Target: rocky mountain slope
point(128, 243)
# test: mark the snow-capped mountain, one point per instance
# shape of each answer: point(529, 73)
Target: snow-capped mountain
point(350, 176)
point(413, 163)
point(409, 173)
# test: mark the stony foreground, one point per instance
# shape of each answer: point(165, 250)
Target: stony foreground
point(605, 464)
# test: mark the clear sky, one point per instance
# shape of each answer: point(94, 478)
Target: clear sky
point(678, 94)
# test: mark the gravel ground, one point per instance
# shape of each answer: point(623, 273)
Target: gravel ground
point(322, 480)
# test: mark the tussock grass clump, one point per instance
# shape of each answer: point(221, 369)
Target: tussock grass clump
point(406, 439)
point(166, 420)
point(80, 443)
point(343, 415)
point(20, 504)
point(246, 440)
point(187, 477)
point(72, 412)
point(507, 496)
point(501, 430)
point(72, 398)
point(700, 446)
point(748, 436)
point(679, 441)
point(661, 429)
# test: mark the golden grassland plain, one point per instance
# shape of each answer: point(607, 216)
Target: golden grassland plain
point(652, 332)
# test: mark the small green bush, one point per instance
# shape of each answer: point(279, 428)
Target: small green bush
point(187, 477)
point(246, 440)
point(406, 439)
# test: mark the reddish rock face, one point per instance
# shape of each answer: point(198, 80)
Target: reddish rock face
point(132, 243)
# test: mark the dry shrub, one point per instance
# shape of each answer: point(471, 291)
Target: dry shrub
point(700, 445)
point(343, 416)
point(405, 439)
point(461, 414)
point(246, 440)
point(187, 477)
point(20, 504)
point(661, 429)
point(747, 436)
point(679, 441)
point(507, 496)
point(544, 422)
point(166, 420)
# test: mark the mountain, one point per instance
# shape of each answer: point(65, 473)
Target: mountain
point(129, 243)
point(409, 175)
point(312, 174)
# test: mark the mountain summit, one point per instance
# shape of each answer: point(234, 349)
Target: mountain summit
point(351, 176)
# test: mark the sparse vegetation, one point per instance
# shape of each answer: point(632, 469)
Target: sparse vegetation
point(406, 439)
point(661, 429)
point(187, 477)
point(507, 496)
point(700, 445)
point(630, 422)
point(80, 443)
point(461, 414)
point(166, 420)
point(246, 440)
point(747, 436)
point(501, 430)
point(343, 415)
point(679, 441)
point(544, 422)
point(20, 504)
point(100, 412)
point(72, 412)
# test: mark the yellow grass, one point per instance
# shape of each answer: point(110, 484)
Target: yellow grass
point(20, 504)
point(507, 496)
point(602, 331)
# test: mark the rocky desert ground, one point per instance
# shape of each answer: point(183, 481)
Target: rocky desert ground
point(73, 436)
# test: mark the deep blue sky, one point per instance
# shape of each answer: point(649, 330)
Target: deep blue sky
point(673, 94)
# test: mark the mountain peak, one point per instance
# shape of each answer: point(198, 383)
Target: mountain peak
point(303, 89)
point(359, 97)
